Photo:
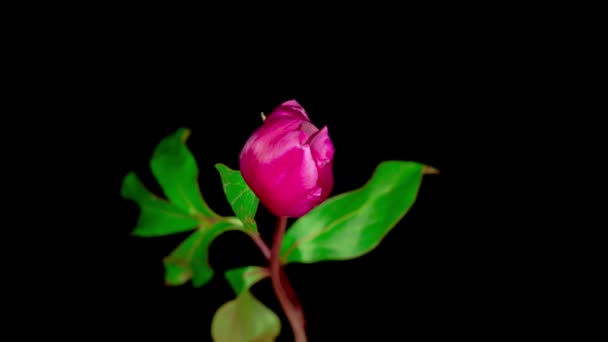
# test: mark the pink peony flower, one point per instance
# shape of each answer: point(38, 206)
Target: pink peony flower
point(288, 161)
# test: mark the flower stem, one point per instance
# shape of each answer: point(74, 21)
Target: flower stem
point(291, 294)
point(261, 245)
point(279, 280)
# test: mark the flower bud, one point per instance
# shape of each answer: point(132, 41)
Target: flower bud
point(288, 161)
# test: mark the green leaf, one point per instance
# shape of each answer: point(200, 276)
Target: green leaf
point(352, 224)
point(243, 201)
point(245, 319)
point(190, 260)
point(241, 279)
point(157, 216)
point(176, 171)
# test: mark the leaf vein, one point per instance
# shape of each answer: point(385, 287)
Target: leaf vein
point(238, 196)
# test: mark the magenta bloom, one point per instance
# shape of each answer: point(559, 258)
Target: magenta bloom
point(288, 162)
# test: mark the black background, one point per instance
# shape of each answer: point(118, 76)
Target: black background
point(435, 274)
point(477, 92)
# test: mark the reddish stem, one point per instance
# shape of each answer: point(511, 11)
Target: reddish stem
point(261, 245)
point(292, 311)
point(284, 281)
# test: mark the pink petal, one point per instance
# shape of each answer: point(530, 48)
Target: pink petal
point(290, 109)
point(284, 185)
point(322, 147)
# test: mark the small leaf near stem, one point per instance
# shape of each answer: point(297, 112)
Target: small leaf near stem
point(190, 260)
point(243, 201)
point(242, 278)
point(294, 313)
point(245, 318)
